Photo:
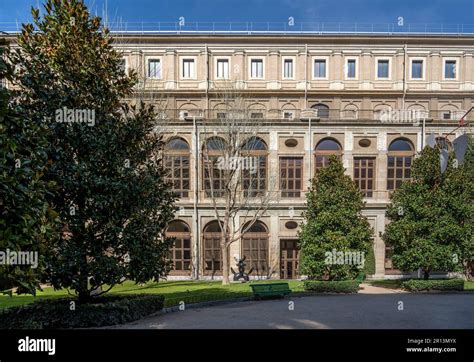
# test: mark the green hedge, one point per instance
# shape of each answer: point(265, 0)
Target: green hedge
point(320, 286)
point(103, 311)
point(416, 285)
point(369, 266)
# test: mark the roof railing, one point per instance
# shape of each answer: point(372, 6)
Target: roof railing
point(283, 28)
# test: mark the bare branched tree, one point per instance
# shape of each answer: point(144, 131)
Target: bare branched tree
point(235, 169)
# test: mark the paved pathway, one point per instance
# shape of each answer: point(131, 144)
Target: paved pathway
point(327, 311)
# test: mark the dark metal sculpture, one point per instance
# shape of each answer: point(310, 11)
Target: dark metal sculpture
point(241, 274)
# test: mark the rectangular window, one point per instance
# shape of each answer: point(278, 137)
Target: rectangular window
point(382, 69)
point(256, 68)
point(450, 69)
point(417, 69)
point(398, 170)
point(351, 68)
point(291, 176)
point(256, 115)
point(364, 174)
point(288, 68)
point(154, 68)
point(320, 68)
point(223, 68)
point(189, 69)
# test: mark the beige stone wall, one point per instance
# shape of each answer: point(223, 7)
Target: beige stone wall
point(352, 104)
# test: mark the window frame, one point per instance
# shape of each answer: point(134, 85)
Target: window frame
point(293, 69)
point(456, 72)
point(252, 58)
point(325, 154)
point(181, 235)
point(377, 59)
point(368, 193)
point(147, 62)
point(206, 236)
point(395, 155)
point(216, 67)
point(423, 68)
point(252, 236)
point(173, 154)
point(294, 192)
point(346, 68)
point(181, 67)
point(257, 192)
point(314, 59)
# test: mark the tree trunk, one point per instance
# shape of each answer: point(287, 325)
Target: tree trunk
point(225, 263)
point(426, 274)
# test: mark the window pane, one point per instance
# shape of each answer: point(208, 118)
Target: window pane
point(417, 69)
point(154, 68)
point(256, 68)
point(351, 68)
point(382, 69)
point(288, 68)
point(320, 68)
point(223, 68)
point(450, 69)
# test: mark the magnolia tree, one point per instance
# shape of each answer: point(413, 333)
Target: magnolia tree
point(335, 237)
point(26, 218)
point(112, 198)
point(235, 170)
point(431, 217)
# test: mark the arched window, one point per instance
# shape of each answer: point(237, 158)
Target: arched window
point(325, 148)
point(254, 167)
point(212, 248)
point(381, 112)
point(176, 161)
point(323, 110)
point(400, 156)
point(350, 112)
point(180, 253)
point(213, 170)
point(255, 248)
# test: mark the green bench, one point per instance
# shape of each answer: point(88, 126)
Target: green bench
point(360, 277)
point(272, 290)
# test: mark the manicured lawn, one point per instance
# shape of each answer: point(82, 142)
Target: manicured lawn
point(396, 284)
point(469, 285)
point(174, 291)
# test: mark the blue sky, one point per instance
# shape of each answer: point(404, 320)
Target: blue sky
point(344, 11)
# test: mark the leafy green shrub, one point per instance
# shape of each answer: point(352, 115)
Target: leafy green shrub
point(104, 311)
point(369, 266)
point(320, 286)
point(416, 285)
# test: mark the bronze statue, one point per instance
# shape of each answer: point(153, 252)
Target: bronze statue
point(241, 274)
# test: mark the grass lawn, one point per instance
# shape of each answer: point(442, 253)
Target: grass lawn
point(397, 284)
point(174, 291)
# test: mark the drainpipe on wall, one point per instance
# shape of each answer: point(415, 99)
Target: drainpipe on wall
point(404, 75)
point(196, 198)
point(306, 77)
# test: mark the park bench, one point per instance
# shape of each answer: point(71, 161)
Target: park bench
point(360, 277)
point(270, 290)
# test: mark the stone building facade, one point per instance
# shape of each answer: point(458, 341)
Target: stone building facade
point(369, 99)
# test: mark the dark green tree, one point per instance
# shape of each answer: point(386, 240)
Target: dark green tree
point(333, 221)
point(112, 200)
point(432, 217)
point(26, 220)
